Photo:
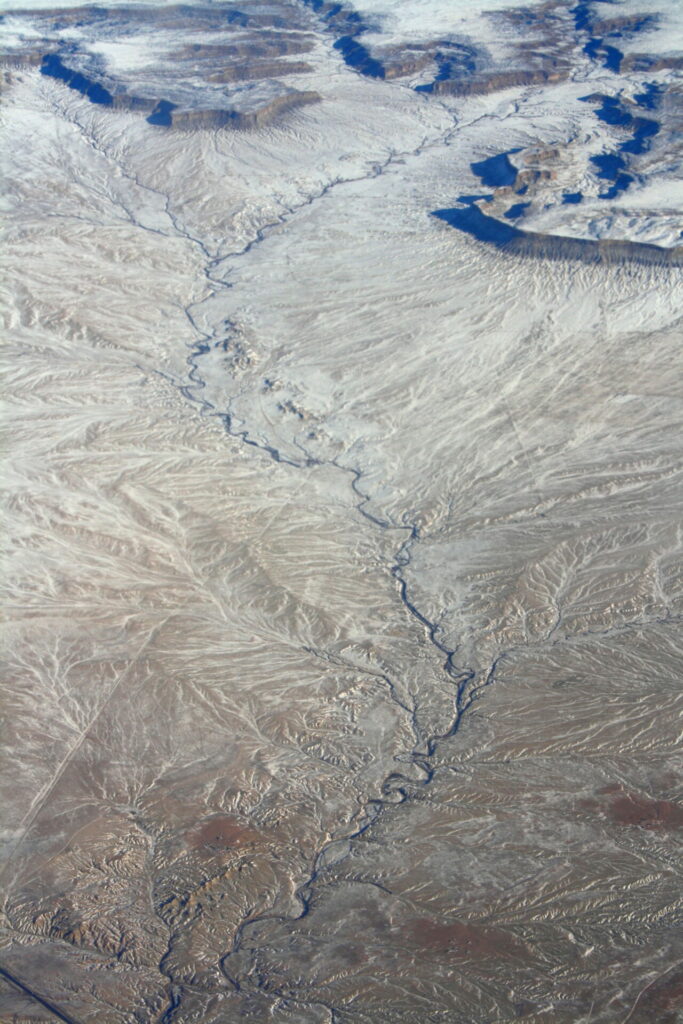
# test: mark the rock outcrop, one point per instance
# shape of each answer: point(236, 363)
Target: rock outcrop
point(166, 115)
point(494, 81)
point(473, 221)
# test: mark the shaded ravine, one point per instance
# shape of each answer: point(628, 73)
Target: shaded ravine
point(393, 789)
point(347, 25)
point(599, 27)
point(396, 786)
point(467, 685)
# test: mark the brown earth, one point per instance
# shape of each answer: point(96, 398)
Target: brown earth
point(628, 808)
point(465, 939)
point(221, 833)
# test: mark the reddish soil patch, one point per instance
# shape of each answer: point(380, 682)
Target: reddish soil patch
point(662, 1002)
point(632, 809)
point(471, 940)
point(221, 833)
point(349, 955)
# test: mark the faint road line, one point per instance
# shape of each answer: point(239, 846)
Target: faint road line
point(59, 1014)
point(47, 789)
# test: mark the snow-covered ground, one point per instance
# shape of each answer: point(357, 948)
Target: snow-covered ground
point(344, 557)
point(397, 22)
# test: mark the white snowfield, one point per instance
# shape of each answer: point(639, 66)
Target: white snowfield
point(664, 35)
point(343, 565)
point(400, 22)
